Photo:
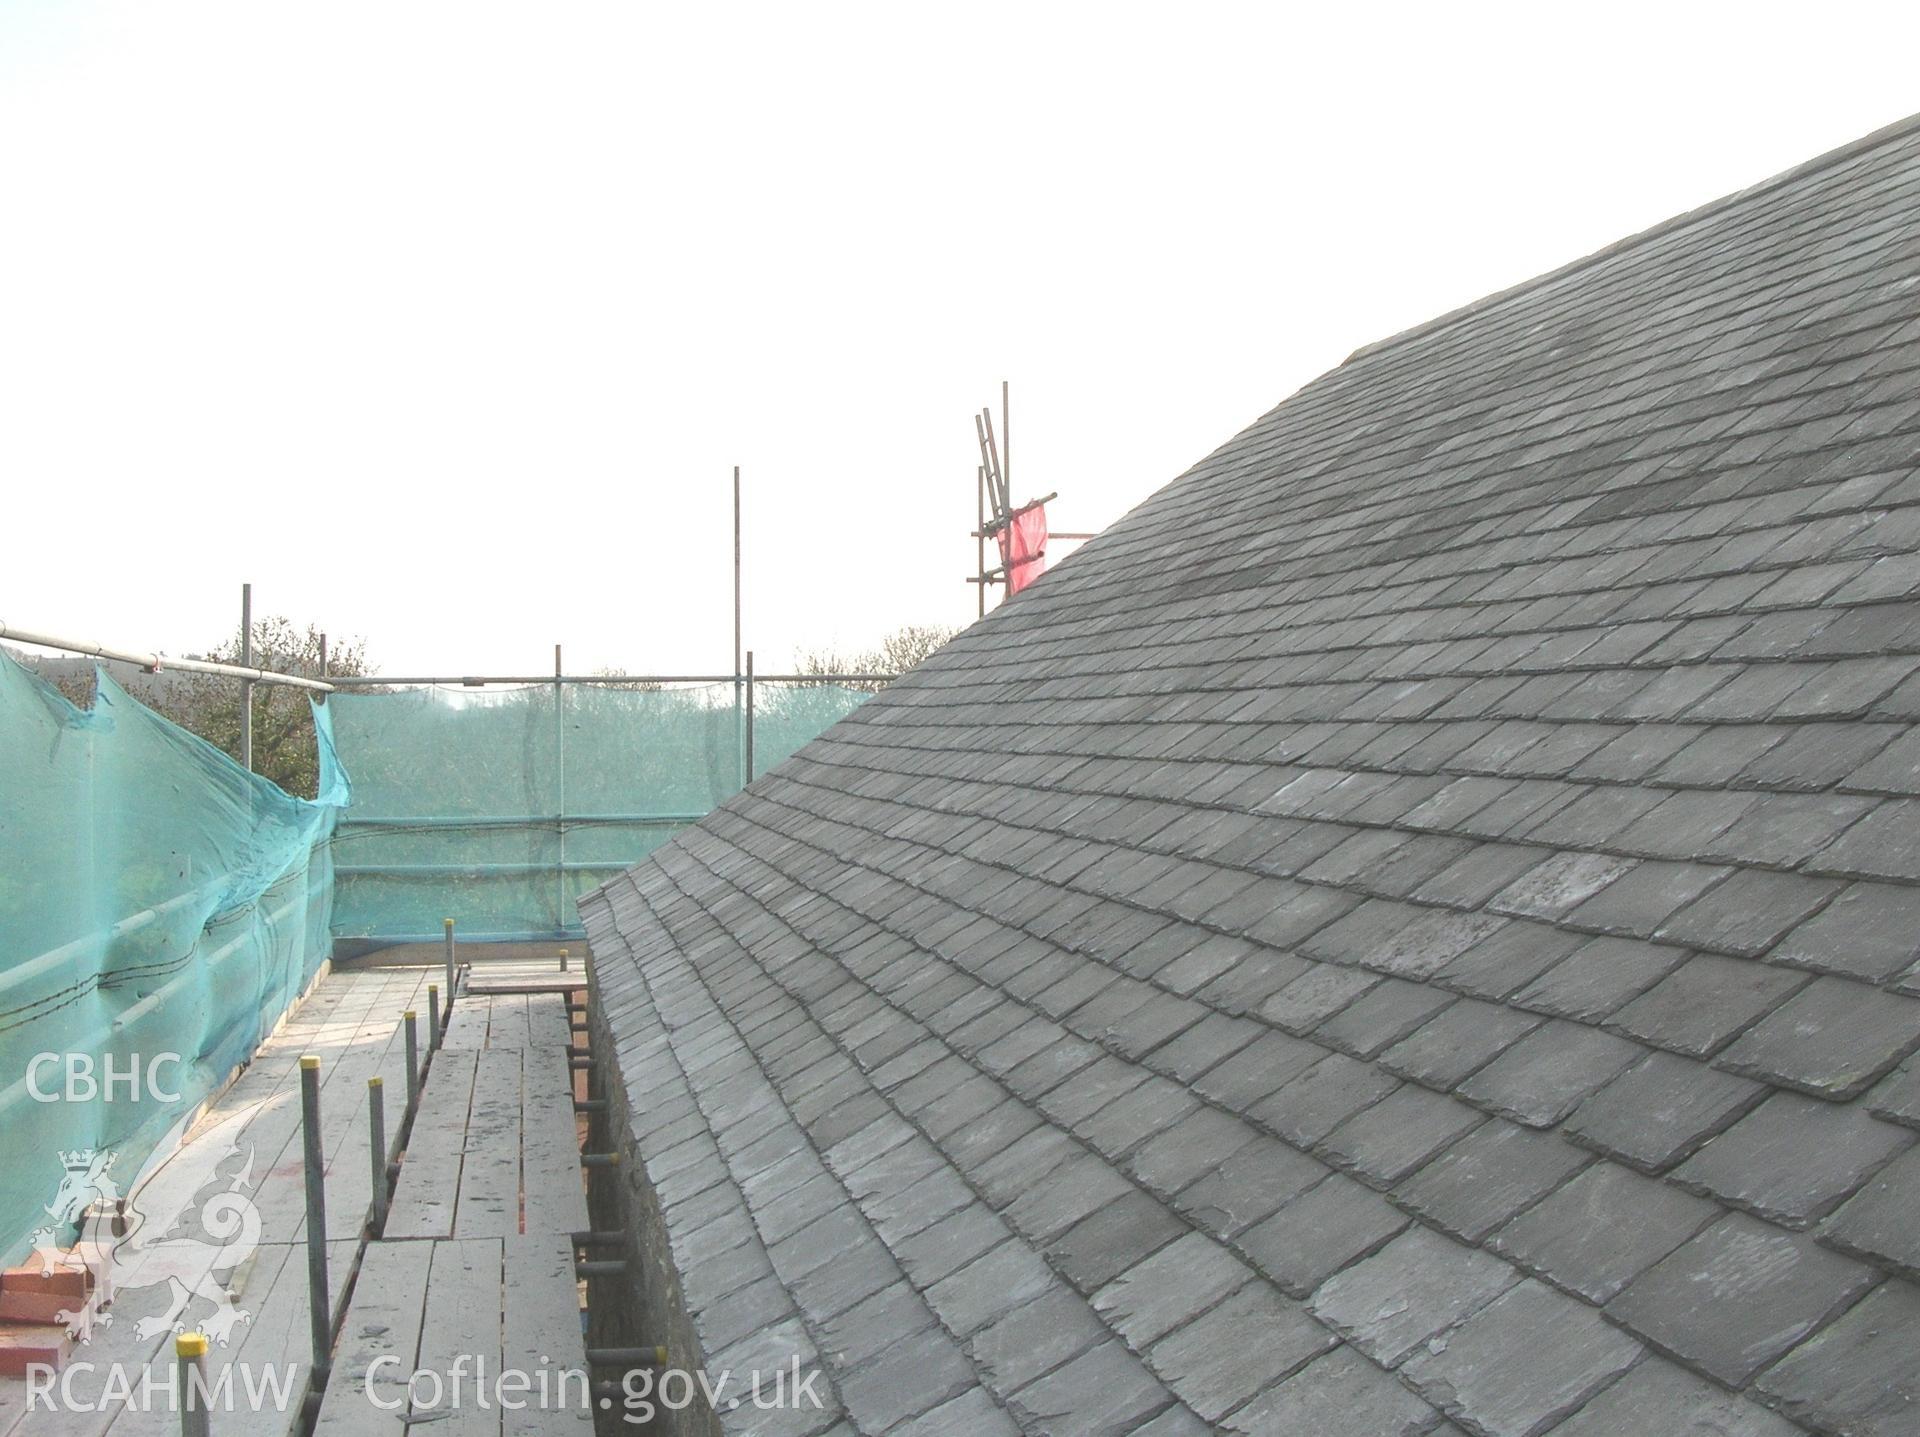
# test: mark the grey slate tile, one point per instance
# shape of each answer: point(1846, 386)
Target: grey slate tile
point(1258, 1070)
point(1002, 1279)
point(850, 1337)
point(1457, 1041)
point(1381, 1017)
point(1236, 1347)
point(1748, 913)
point(1317, 994)
point(1409, 1292)
point(1112, 1239)
point(1136, 1117)
point(1077, 1188)
point(1388, 1140)
point(1878, 1223)
point(1660, 1396)
point(1198, 1144)
point(1788, 829)
point(1793, 1159)
point(1034, 1338)
point(905, 1379)
point(1484, 870)
point(1739, 1295)
point(1519, 1364)
point(1660, 1110)
point(1896, 1097)
point(1429, 944)
point(1602, 1229)
point(1508, 960)
point(1857, 1374)
point(1884, 844)
point(971, 1412)
point(1484, 1179)
point(1161, 1292)
point(1831, 1039)
point(1105, 1390)
point(1544, 1076)
point(1706, 1002)
point(1176, 1421)
point(1599, 977)
point(1871, 931)
point(1249, 1186)
point(1561, 883)
point(1320, 1232)
point(1321, 1098)
point(1338, 1395)
point(1646, 896)
point(1209, 1042)
point(943, 1247)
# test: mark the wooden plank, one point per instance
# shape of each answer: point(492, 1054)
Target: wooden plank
point(462, 1320)
point(349, 1169)
point(347, 1018)
point(429, 1186)
point(468, 1030)
point(384, 1320)
point(353, 1051)
point(541, 1336)
point(507, 1021)
point(270, 1355)
point(489, 1204)
point(555, 1201)
point(547, 1025)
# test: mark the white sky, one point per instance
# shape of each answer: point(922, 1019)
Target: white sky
point(444, 324)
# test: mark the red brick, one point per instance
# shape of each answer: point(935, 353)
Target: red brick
point(21, 1347)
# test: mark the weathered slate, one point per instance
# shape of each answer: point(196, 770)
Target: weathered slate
point(1447, 856)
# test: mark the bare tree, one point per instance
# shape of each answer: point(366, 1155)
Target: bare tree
point(622, 680)
point(903, 649)
point(284, 747)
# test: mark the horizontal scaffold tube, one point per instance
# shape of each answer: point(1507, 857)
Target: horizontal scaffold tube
point(513, 820)
point(470, 870)
point(156, 662)
point(347, 681)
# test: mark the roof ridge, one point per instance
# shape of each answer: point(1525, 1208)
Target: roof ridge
point(1897, 130)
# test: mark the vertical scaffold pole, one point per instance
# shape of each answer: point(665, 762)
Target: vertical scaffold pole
point(377, 1143)
point(190, 1391)
point(453, 973)
point(246, 685)
point(1006, 440)
point(749, 715)
point(744, 774)
point(409, 1023)
point(433, 1016)
point(315, 1158)
point(980, 534)
point(560, 792)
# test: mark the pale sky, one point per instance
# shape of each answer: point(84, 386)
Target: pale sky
point(444, 324)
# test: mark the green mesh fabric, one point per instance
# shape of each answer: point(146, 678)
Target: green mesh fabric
point(155, 898)
point(498, 807)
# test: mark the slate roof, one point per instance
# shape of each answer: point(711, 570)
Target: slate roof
point(1413, 930)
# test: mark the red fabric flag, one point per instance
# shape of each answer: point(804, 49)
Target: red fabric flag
point(1023, 546)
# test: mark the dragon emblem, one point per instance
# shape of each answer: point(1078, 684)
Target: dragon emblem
point(130, 1242)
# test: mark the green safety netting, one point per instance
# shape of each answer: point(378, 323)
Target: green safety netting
point(498, 807)
point(157, 902)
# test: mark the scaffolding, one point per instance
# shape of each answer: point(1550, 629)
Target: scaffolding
point(994, 511)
